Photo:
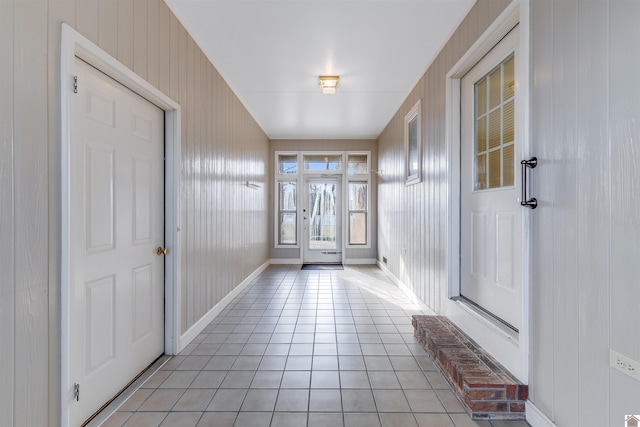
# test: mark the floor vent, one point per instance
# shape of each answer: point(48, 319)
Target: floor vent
point(487, 390)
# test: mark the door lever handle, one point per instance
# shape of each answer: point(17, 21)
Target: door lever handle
point(525, 201)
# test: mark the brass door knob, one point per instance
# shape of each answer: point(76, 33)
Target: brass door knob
point(161, 251)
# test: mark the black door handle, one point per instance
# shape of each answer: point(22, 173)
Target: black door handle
point(532, 202)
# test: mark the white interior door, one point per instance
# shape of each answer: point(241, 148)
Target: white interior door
point(321, 218)
point(117, 222)
point(491, 216)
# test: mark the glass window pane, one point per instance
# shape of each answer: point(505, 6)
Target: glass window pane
point(287, 196)
point(322, 162)
point(357, 228)
point(509, 80)
point(288, 228)
point(481, 134)
point(494, 88)
point(357, 196)
point(508, 123)
point(412, 167)
point(495, 169)
point(322, 216)
point(357, 164)
point(481, 97)
point(481, 172)
point(507, 165)
point(287, 164)
point(494, 129)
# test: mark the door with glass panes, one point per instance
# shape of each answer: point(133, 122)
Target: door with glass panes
point(321, 216)
point(491, 216)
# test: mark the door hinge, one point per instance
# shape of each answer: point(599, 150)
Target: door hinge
point(75, 84)
point(76, 391)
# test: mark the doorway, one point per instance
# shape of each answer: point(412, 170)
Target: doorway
point(91, 172)
point(117, 256)
point(490, 212)
point(322, 225)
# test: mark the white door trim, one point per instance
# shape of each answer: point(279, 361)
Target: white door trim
point(512, 351)
point(74, 44)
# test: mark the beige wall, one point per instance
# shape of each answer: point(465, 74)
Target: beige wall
point(327, 145)
point(412, 220)
point(224, 224)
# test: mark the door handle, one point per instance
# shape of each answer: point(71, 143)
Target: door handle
point(525, 201)
point(161, 251)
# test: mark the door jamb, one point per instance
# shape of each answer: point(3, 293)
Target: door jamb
point(482, 330)
point(74, 44)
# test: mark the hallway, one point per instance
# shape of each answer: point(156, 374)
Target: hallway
point(304, 348)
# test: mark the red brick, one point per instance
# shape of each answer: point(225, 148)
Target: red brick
point(523, 392)
point(512, 390)
point(488, 406)
point(487, 381)
point(517, 407)
point(481, 394)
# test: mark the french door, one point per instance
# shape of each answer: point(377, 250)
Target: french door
point(322, 238)
point(491, 216)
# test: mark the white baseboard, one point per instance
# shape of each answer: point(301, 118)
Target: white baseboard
point(286, 261)
point(199, 326)
point(407, 291)
point(359, 261)
point(535, 417)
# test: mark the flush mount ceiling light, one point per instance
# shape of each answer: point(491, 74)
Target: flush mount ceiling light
point(328, 84)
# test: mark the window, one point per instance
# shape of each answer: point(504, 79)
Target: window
point(286, 221)
point(287, 213)
point(413, 145)
point(358, 202)
point(319, 162)
point(494, 127)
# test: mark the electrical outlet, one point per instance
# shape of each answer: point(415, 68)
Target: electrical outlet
point(624, 364)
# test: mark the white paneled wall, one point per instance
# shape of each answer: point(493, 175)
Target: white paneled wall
point(412, 220)
point(223, 223)
point(586, 298)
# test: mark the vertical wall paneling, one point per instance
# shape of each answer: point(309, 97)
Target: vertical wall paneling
point(624, 110)
point(153, 42)
point(585, 296)
point(125, 32)
point(544, 144)
point(164, 46)
point(140, 46)
point(87, 12)
point(566, 229)
point(31, 208)
point(413, 219)
point(593, 211)
point(145, 36)
point(7, 284)
point(108, 26)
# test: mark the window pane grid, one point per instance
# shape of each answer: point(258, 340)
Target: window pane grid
point(494, 127)
point(288, 219)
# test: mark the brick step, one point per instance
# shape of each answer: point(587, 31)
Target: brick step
point(487, 390)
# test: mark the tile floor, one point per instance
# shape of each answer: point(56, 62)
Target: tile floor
point(304, 348)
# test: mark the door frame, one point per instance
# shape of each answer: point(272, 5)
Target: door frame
point(76, 45)
point(510, 349)
point(340, 214)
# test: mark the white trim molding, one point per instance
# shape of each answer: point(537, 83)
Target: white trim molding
point(204, 321)
point(512, 352)
point(76, 45)
point(535, 417)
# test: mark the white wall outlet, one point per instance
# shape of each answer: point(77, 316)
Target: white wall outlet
point(624, 364)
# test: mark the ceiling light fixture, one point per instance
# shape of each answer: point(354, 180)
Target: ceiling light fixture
point(328, 84)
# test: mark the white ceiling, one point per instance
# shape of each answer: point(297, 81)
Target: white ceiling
point(271, 53)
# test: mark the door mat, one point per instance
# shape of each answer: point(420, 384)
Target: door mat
point(322, 267)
